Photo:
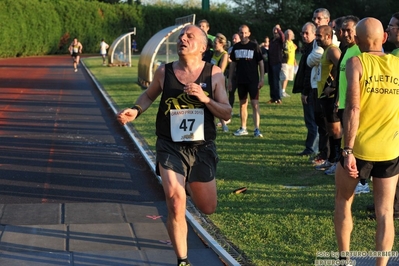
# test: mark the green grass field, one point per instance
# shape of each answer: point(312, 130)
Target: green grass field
point(270, 223)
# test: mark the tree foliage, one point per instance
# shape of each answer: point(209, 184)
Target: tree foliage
point(38, 27)
point(294, 13)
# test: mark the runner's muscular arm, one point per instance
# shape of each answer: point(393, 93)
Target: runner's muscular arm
point(352, 105)
point(352, 110)
point(146, 98)
point(333, 54)
point(261, 74)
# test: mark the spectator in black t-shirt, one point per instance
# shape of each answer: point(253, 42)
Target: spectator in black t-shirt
point(247, 61)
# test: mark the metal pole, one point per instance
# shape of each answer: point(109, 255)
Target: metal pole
point(205, 5)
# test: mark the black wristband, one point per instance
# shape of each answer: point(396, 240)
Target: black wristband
point(348, 148)
point(138, 108)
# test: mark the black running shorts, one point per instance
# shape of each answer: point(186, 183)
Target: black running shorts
point(328, 107)
point(197, 162)
point(245, 89)
point(382, 169)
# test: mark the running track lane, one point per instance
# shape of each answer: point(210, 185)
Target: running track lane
point(59, 141)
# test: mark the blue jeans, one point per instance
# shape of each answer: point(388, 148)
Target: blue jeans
point(312, 137)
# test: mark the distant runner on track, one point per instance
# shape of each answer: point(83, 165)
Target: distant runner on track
point(75, 49)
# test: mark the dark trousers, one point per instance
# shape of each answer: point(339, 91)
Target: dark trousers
point(322, 130)
point(232, 92)
point(274, 82)
point(312, 137)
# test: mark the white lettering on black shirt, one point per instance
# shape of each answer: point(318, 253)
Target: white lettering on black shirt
point(245, 54)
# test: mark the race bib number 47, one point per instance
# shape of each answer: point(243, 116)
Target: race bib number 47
point(187, 125)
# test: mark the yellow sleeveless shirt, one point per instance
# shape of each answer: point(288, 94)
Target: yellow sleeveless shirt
point(324, 70)
point(377, 138)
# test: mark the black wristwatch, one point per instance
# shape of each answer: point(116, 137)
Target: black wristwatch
point(346, 151)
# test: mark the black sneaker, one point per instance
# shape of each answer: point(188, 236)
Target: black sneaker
point(183, 262)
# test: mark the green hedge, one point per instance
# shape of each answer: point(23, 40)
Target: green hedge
point(41, 27)
point(92, 21)
point(224, 22)
point(27, 28)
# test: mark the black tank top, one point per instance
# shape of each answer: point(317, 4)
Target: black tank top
point(173, 97)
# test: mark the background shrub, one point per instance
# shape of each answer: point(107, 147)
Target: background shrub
point(42, 27)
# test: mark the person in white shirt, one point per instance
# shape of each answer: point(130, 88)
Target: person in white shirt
point(103, 50)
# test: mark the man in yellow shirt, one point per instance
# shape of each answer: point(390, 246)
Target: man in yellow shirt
point(288, 65)
point(371, 137)
point(326, 90)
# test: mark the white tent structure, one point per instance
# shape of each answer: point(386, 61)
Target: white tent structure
point(120, 52)
point(161, 48)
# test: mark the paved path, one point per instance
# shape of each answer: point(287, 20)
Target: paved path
point(74, 190)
